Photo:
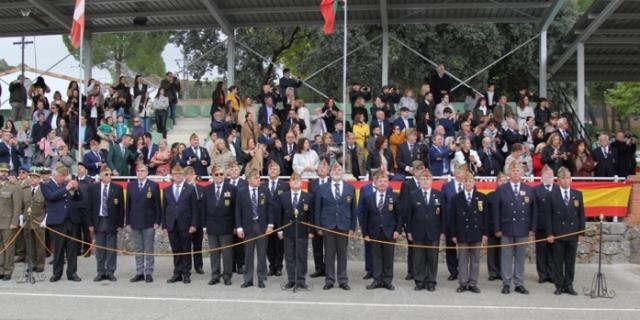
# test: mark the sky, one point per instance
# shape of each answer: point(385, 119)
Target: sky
point(47, 50)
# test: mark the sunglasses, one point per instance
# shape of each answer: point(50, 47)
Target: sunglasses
point(218, 174)
point(106, 174)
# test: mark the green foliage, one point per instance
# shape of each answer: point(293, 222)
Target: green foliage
point(624, 98)
point(139, 51)
point(4, 65)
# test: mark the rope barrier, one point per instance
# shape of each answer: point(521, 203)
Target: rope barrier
point(6, 245)
point(125, 252)
point(40, 240)
point(419, 246)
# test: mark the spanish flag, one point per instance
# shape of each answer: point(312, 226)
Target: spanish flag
point(329, 9)
point(78, 24)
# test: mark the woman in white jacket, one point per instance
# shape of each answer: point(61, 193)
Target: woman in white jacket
point(160, 106)
point(303, 113)
point(306, 160)
point(466, 156)
point(144, 108)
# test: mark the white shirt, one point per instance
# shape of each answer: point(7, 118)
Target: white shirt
point(426, 194)
point(378, 194)
point(143, 182)
point(102, 188)
point(295, 195)
point(566, 192)
point(177, 187)
point(515, 186)
point(333, 188)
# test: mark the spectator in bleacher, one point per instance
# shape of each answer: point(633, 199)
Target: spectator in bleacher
point(171, 86)
point(398, 136)
point(424, 127)
point(148, 151)
point(144, 110)
point(233, 143)
point(359, 108)
point(305, 116)
point(246, 108)
point(24, 143)
point(425, 106)
point(137, 130)
point(355, 157)
point(359, 92)
point(57, 100)
point(9, 125)
point(536, 159)
point(219, 125)
point(527, 132)
point(196, 156)
point(249, 130)
point(50, 144)
point(177, 149)
point(94, 159)
point(512, 135)
point(233, 103)
point(318, 125)
point(120, 157)
point(121, 127)
point(337, 135)
point(288, 102)
point(542, 112)
point(379, 104)
point(59, 157)
point(524, 111)
point(470, 100)
point(405, 121)
point(328, 150)
point(580, 160)
point(292, 119)
point(63, 131)
point(553, 154)
point(265, 112)
point(626, 147)
point(287, 81)
point(330, 111)
point(267, 92)
point(161, 160)
point(440, 107)
point(276, 125)
point(265, 137)
point(9, 152)
point(467, 156)
point(408, 101)
point(538, 136)
point(340, 118)
point(54, 117)
point(18, 98)
point(448, 123)
point(381, 158)
point(605, 156)
point(160, 106)
point(519, 154)
point(140, 89)
point(106, 132)
point(217, 99)
point(38, 110)
point(380, 121)
point(563, 130)
point(492, 160)
point(124, 93)
point(370, 144)
point(361, 130)
point(220, 155)
point(440, 83)
point(276, 155)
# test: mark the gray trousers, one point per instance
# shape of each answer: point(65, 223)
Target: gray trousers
point(260, 249)
point(106, 259)
point(18, 110)
point(6, 258)
point(335, 246)
point(295, 252)
point(143, 240)
point(425, 263)
point(216, 241)
point(510, 269)
point(468, 264)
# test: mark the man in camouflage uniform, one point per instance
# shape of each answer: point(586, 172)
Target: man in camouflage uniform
point(8, 223)
point(32, 205)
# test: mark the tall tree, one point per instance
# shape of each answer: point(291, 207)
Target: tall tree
point(623, 98)
point(139, 51)
point(4, 65)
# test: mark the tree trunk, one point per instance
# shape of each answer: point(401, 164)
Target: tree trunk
point(613, 119)
point(605, 117)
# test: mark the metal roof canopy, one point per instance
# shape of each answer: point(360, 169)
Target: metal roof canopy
point(610, 33)
point(54, 16)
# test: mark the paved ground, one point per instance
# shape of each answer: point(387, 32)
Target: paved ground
point(159, 300)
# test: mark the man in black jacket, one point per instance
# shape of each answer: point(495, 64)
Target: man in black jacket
point(198, 236)
point(492, 160)
point(18, 99)
point(411, 151)
point(317, 241)
point(544, 250)
point(275, 247)
point(605, 157)
point(106, 211)
point(626, 147)
point(219, 201)
point(287, 81)
point(171, 86)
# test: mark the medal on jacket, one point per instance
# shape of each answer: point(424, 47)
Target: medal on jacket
point(437, 210)
point(480, 205)
point(305, 206)
point(391, 205)
point(526, 199)
point(263, 200)
point(148, 193)
point(227, 202)
point(576, 203)
point(279, 192)
point(115, 201)
point(227, 194)
point(348, 199)
point(295, 213)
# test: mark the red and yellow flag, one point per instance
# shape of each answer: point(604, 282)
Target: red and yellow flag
point(328, 8)
point(78, 24)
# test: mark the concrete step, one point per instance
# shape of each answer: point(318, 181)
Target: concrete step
point(186, 126)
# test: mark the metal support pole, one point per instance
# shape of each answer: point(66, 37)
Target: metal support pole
point(344, 90)
point(86, 57)
point(580, 81)
point(542, 77)
point(231, 60)
point(385, 58)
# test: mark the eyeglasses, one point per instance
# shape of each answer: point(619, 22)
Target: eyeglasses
point(219, 174)
point(136, 121)
point(106, 174)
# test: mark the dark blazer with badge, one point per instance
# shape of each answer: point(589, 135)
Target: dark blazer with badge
point(283, 212)
point(244, 214)
point(181, 212)
point(219, 214)
point(606, 166)
point(198, 167)
point(388, 218)
point(337, 214)
point(513, 215)
point(470, 221)
point(281, 187)
point(143, 206)
point(425, 221)
point(564, 219)
point(61, 204)
point(543, 203)
point(115, 206)
point(405, 157)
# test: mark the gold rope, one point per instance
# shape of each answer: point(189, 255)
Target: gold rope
point(6, 245)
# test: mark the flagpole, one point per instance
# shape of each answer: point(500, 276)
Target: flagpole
point(81, 86)
point(344, 90)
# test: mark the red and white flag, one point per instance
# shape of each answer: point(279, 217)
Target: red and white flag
point(78, 24)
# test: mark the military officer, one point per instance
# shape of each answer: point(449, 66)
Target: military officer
point(32, 204)
point(8, 222)
point(566, 216)
point(406, 189)
point(544, 250)
point(470, 218)
point(275, 246)
point(197, 237)
point(494, 254)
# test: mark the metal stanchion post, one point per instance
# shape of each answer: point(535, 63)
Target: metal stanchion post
point(599, 285)
point(295, 250)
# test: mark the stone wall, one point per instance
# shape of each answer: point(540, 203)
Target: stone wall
point(621, 244)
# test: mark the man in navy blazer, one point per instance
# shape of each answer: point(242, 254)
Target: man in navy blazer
point(94, 159)
point(440, 156)
point(449, 191)
point(180, 220)
point(514, 221)
point(403, 121)
point(381, 221)
point(148, 151)
point(275, 245)
point(410, 151)
point(318, 241)
point(106, 218)
point(380, 121)
point(142, 218)
point(335, 205)
point(219, 202)
point(254, 218)
point(9, 152)
point(63, 216)
point(197, 237)
point(238, 182)
point(406, 189)
point(196, 156)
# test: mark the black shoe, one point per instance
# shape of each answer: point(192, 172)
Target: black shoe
point(289, 285)
point(431, 287)
point(461, 289)
point(303, 285)
point(327, 286)
point(373, 285)
point(247, 285)
point(345, 287)
point(418, 287)
point(278, 273)
point(261, 284)
point(473, 289)
point(506, 290)
point(240, 270)
point(522, 290)
point(389, 286)
point(18, 260)
point(148, 278)
point(271, 273)
point(73, 277)
point(1, 276)
point(111, 278)
point(493, 278)
point(557, 292)
point(175, 279)
point(452, 277)
point(367, 276)
point(214, 281)
point(137, 278)
point(227, 282)
point(54, 279)
point(99, 278)
point(6, 277)
point(570, 291)
point(541, 280)
point(199, 271)
point(317, 274)
point(409, 277)
point(186, 279)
